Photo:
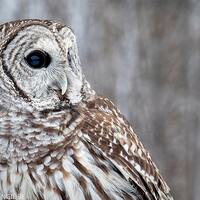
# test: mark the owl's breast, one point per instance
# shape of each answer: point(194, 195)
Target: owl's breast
point(33, 148)
point(70, 174)
point(30, 136)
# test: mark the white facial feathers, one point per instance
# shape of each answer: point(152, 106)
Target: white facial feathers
point(63, 72)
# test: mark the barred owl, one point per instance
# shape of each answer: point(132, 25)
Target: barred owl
point(58, 139)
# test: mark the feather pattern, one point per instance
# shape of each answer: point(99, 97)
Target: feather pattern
point(91, 153)
point(58, 139)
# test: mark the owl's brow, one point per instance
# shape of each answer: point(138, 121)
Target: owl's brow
point(20, 27)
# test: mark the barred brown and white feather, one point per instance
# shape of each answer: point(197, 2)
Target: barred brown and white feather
point(58, 139)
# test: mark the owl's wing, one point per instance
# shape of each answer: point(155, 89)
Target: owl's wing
point(107, 131)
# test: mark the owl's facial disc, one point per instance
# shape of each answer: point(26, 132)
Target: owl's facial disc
point(42, 61)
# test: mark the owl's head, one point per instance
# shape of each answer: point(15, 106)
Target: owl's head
point(39, 64)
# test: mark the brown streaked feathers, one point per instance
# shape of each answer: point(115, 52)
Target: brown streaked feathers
point(59, 140)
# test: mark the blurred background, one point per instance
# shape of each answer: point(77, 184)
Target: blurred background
point(145, 56)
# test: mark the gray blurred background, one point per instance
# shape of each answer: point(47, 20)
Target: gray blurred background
point(145, 56)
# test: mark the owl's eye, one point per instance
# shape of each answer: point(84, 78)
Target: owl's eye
point(38, 59)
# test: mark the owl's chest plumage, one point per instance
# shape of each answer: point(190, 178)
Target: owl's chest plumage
point(45, 156)
point(27, 136)
point(33, 147)
point(85, 152)
point(76, 176)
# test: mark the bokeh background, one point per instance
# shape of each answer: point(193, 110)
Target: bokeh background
point(145, 56)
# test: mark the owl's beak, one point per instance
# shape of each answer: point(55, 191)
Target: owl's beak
point(62, 83)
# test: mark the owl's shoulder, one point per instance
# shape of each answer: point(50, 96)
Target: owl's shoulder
point(108, 130)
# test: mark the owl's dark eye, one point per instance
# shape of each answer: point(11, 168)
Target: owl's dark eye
point(38, 59)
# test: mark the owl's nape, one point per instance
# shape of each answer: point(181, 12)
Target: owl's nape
point(40, 61)
point(58, 139)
